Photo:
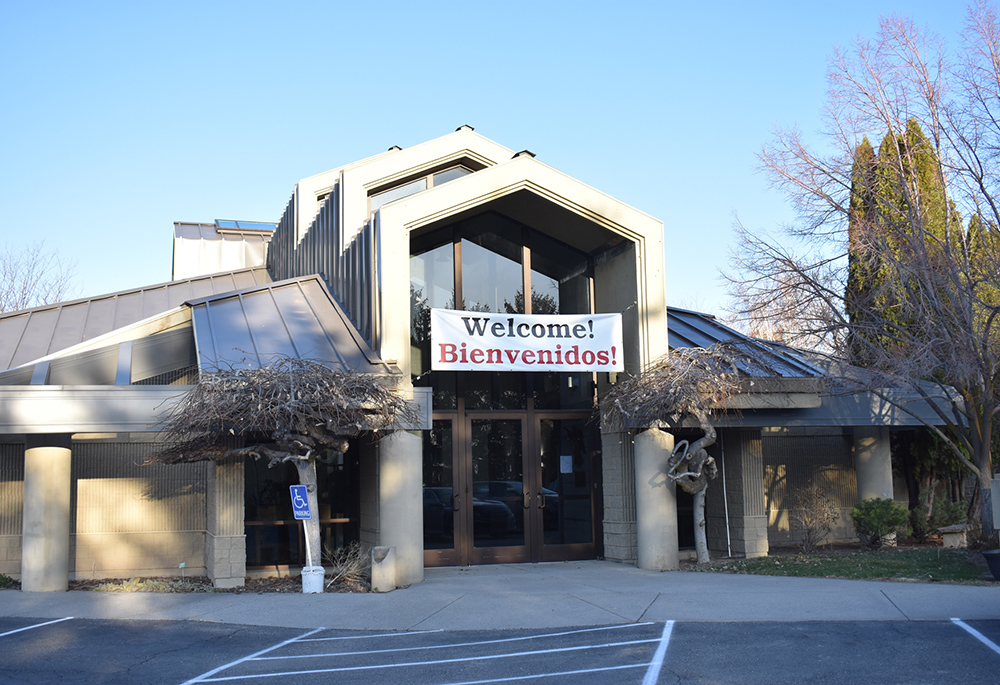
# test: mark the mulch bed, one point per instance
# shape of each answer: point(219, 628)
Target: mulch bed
point(203, 584)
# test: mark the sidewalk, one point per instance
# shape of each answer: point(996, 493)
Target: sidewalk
point(538, 596)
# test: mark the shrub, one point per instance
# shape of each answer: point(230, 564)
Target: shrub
point(877, 521)
point(814, 512)
point(8, 583)
point(351, 564)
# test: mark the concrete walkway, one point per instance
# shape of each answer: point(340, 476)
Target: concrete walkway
point(539, 596)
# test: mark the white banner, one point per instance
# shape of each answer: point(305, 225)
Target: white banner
point(482, 341)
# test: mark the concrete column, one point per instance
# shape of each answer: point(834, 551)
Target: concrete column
point(873, 462)
point(401, 503)
point(45, 532)
point(225, 540)
point(655, 502)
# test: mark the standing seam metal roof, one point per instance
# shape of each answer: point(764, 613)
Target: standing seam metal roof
point(30, 334)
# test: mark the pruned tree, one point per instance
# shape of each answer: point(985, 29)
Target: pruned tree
point(687, 384)
point(287, 410)
point(32, 276)
point(926, 319)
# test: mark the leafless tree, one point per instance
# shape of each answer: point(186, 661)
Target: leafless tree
point(688, 384)
point(931, 321)
point(32, 276)
point(288, 410)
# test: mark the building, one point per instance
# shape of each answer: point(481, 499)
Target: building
point(506, 466)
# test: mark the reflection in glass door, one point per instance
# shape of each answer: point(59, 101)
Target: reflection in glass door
point(500, 521)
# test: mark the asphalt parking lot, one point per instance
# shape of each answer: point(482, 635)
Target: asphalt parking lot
point(71, 650)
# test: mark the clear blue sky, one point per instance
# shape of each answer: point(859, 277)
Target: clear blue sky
point(118, 119)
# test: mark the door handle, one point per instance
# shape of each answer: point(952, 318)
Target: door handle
point(541, 500)
point(527, 499)
point(456, 500)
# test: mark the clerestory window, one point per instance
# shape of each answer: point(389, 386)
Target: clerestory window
point(416, 185)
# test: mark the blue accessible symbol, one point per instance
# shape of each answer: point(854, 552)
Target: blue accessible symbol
point(300, 502)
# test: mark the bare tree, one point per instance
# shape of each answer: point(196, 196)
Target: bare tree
point(289, 410)
point(931, 316)
point(686, 385)
point(32, 276)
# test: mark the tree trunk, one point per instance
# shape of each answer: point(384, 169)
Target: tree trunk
point(700, 536)
point(307, 477)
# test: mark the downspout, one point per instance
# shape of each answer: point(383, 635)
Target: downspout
point(725, 494)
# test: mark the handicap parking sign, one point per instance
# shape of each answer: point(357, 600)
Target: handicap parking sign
point(300, 502)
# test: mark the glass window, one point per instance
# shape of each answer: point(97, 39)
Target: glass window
point(449, 175)
point(405, 190)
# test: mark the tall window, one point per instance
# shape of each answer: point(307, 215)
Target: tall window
point(486, 264)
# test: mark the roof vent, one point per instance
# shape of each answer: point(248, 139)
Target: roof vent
point(523, 153)
point(465, 126)
point(394, 147)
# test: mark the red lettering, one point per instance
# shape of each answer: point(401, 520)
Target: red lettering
point(545, 356)
point(494, 356)
point(512, 355)
point(602, 358)
point(462, 356)
point(528, 357)
point(477, 356)
point(448, 355)
point(573, 355)
point(587, 360)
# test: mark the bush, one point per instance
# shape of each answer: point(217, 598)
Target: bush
point(351, 564)
point(877, 521)
point(8, 583)
point(946, 513)
point(814, 512)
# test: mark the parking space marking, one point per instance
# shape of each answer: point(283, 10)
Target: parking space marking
point(369, 637)
point(653, 674)
point(976, 634)
point(204, 677)
point(444, 646)
point(344, 669)
point(536, 676)
point(37, 625)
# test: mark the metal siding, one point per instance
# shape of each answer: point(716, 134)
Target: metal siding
point(11, 488)
point(129, 309)
point(114, 491)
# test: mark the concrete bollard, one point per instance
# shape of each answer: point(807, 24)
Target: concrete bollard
point(383, 569)
point(312, 579)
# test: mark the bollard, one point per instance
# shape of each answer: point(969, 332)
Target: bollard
point(383, 569)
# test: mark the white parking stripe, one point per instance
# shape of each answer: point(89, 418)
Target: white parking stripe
point(37, 625)
point(203, 677)
point(445, 646)
point(555, 674)
point(371, 636)
point(976, 634)
point(420, 663)
point(653, 674)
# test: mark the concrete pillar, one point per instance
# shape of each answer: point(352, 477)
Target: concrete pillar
point(225, 540)
point(873, 462)
point(45, 532)
point(401, 503)
point(655, 502)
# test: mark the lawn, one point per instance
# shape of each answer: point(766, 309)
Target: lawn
point(923, 564)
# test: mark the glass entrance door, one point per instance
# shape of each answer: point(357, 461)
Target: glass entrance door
point(510, 487)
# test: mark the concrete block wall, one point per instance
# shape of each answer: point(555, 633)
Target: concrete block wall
point(618, 464)
point(123, 554)
point(10, 555)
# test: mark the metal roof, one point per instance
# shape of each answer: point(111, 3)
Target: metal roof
point(30, 334)
point(295, 318)
point(693, 329)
